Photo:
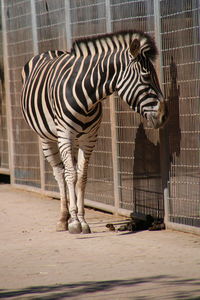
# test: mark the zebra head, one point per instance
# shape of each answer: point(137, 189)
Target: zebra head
point(139, 86)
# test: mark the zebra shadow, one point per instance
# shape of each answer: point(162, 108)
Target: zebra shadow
point(173, 124)
point(149, 175)
point(147, 179)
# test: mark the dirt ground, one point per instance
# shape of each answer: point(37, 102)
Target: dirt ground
point(36, 262)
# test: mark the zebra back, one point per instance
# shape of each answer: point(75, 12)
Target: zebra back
point(30, 65)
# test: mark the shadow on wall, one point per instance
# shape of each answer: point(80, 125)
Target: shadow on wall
point(173, 124)
point(147, 177)
point(147, 181)
point(146, 155)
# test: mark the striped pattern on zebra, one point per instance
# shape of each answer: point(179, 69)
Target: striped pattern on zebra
point(61, 101)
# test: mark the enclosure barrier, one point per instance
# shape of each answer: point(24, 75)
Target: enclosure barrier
point(133, 168)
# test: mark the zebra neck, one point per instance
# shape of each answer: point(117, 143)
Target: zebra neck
point(96, 78)
point(98, 64)
point(101, 44)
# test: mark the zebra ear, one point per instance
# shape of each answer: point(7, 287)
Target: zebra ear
point(135, 47)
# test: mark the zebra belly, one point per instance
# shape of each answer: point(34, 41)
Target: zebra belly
point(38, 111)
point(45, 128)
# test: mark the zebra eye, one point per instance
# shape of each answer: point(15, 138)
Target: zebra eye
point(146, 76)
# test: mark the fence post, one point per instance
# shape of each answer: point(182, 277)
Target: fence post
point(164, 147)
point(7, 94)
point(157, 30)
point(113, 122)
point(108, 17)
point(35, 52)
point(34, 27)
point(68, 25)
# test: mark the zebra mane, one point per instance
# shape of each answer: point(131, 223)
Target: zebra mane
point(88, 45)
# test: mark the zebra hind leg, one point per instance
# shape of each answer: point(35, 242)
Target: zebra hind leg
point(62, 224)
point(68, 152)
point(70, 163)
point(51, 153)
point(82, 168)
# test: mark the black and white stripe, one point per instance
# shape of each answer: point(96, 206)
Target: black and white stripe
point(61, 101)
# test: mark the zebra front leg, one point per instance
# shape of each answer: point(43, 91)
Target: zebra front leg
point(51, 153)
point(62, 224)
point(74, 225)
point(82, 167)
point(69, 162)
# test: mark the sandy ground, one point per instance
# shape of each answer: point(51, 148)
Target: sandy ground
point(36, 262)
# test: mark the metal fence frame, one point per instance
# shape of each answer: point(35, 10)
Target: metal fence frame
point(115, 206)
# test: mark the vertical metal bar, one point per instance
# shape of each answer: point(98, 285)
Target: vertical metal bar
point(108, 16)
point(35, 52)
point(115, 157)
point(157, 30)
point(68, 25)
point(34, 27)
point(113, 121)
point(164, 147)
point(7, 94)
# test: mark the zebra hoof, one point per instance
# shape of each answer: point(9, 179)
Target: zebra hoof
point(62, 226)
point(85, 228)
point(74, 227)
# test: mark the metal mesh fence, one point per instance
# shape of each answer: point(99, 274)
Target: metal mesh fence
point(50, 34)
point(50, 20)
point(181, 57)
point(125, 168)
point(26, 167)
point(100, 186)
point(100, 175)
point(87, 18)
point(132, 14)
point(138, 146)
point(4, 163)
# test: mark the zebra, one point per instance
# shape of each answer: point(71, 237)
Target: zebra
point(62, 102)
